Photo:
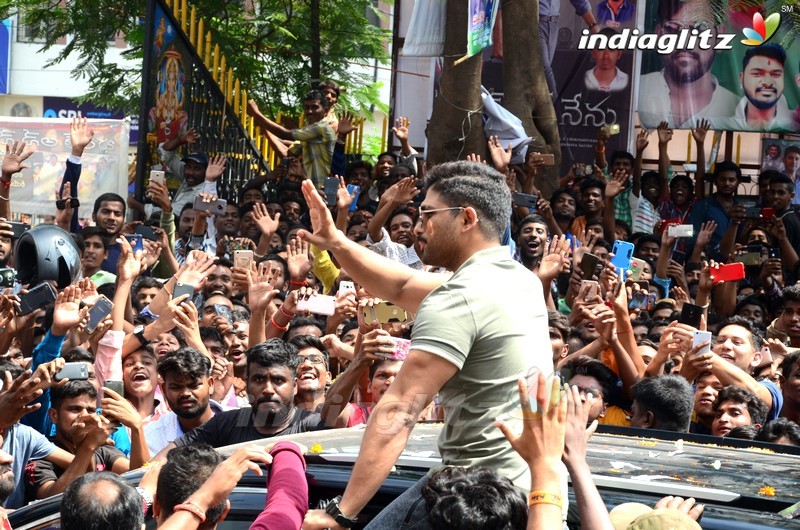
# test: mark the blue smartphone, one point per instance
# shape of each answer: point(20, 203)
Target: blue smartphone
point(351, 188)
point(623, 252)
point(136, 242)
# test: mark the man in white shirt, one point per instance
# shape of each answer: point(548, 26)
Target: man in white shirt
point(187, 388)
point(685, 88)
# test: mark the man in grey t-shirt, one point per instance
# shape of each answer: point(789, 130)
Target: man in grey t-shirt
point(474, 335)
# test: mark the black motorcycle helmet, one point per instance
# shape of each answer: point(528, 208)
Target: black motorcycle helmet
point(47, 252)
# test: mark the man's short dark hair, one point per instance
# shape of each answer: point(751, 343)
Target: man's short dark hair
point(78, 355)
point(311, 95)
point(71, 389)
point(682, 177)
point(558, 321)
point(585, 365)
point(249, 187)
point(619, 154)
point(209, 333)
point(768, 175)
point(358, 164)
point(185, 362)
point(743, 432)
point(563, 191)
point(791, 149)
point(299, 322)
point(101, 501)
point(792, 293)
point(246, 208)
point(108, 197)
point(779, 428)
point(329, 84)
point(144, 282)
point(279, 260)
point(727, 165)
point(780, 178)
point(669, 398)
point(788, 363)
point(532, 218)
point(758, 409)
point(589, 183)
point(601, 242)
point(470, 184)
point(406, 210)
point(389, 154)
point(756, 338)
point(473, 498)
point(96, 231)
point(770, 50)
point(186, 469)
point(273, 352)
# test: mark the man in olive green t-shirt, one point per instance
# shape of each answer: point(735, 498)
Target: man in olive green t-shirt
point(474, 335)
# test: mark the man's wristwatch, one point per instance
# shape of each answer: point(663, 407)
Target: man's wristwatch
point(332, 509)
point(138, 332)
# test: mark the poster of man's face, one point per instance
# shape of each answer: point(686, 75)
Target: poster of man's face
point(781, 155)
point(711, 72)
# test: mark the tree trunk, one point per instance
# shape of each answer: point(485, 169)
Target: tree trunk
point(524, 84)
point(316, 53)
point(459, 93)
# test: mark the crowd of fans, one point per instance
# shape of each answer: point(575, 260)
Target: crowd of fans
point(218, 332)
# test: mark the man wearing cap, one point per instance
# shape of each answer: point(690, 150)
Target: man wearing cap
point(190, 170)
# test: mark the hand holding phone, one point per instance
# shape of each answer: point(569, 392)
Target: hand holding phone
point(623, 252)
point(690, 315)
point(36, 298)
point(99, 311)
point(680, 231)
point(135, 241)
point(318, 304)
point(730, 272)
point(73, 372)
point(700, 337)
point(243, 258)
point(157, 176)
point(589, 265)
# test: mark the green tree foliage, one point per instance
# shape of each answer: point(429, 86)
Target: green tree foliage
point(268, 47)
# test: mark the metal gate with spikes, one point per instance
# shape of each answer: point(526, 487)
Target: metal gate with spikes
point(187, 84)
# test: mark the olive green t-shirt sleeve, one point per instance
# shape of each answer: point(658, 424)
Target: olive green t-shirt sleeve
point(445, 326)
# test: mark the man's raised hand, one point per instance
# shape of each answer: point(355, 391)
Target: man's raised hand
point(13, 161)
point(80, 135)
point(325, 234)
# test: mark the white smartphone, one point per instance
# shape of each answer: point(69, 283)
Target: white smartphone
point(699, 338)
point(157, 176)
point(346, 287)
point(318, 304)
point(680, 231)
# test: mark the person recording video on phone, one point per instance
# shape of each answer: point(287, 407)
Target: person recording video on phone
point(377, 347)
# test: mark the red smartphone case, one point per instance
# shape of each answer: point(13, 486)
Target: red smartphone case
point(728, 273)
